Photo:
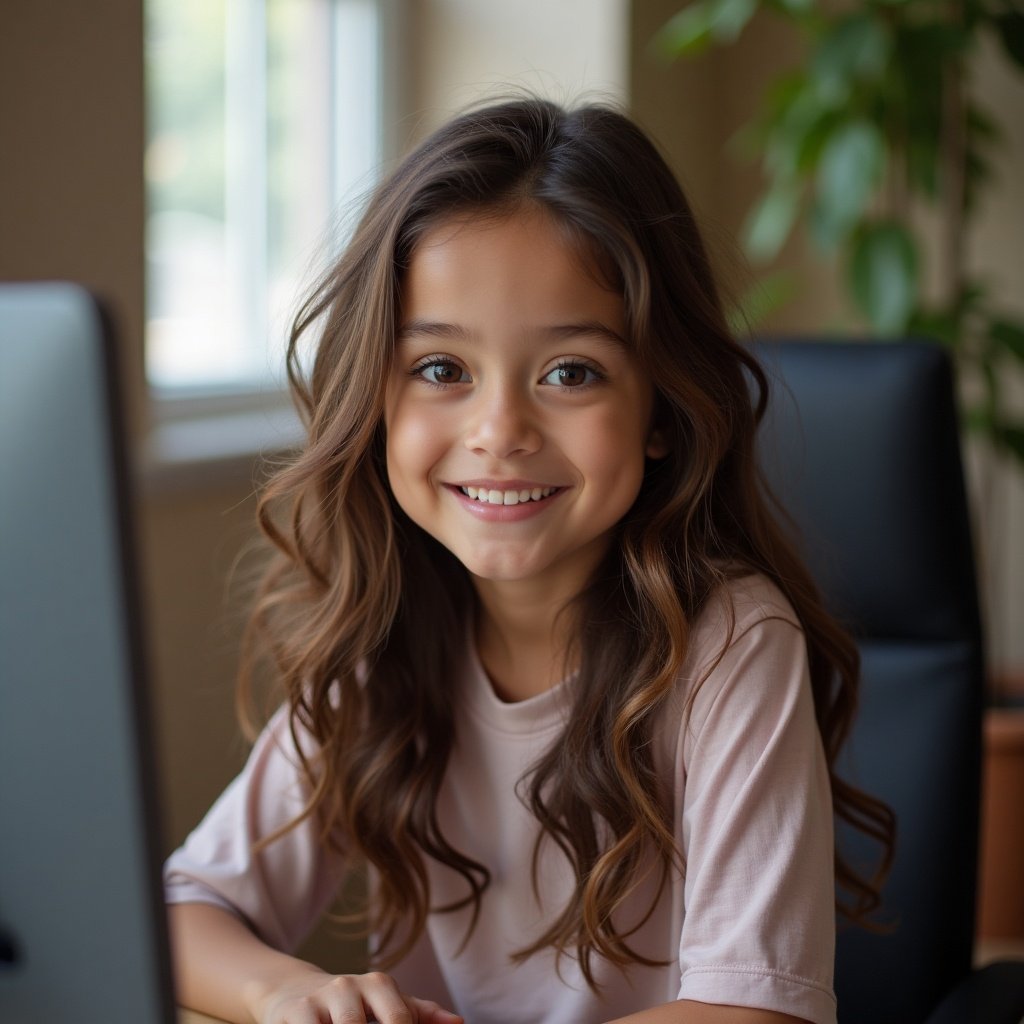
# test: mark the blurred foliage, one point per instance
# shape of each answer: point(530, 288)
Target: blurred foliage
point(876, 123)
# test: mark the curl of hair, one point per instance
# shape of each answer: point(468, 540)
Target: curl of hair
point(358, 608)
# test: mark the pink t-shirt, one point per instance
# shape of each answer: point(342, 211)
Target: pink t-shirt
point(751, 923)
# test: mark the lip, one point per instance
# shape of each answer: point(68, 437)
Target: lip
point(503, 485)
point(489, 513)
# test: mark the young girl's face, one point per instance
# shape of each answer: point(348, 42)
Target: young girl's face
point(517, 416)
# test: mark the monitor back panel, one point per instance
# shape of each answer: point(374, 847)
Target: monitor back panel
point(81, 919)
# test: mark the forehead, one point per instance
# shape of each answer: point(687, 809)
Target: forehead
point(522, 265)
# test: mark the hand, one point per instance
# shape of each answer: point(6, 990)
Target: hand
point(347, 999)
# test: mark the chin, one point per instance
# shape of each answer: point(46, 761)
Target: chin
point(496, 575)
point(497, 570)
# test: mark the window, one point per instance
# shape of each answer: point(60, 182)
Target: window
point(264, 119)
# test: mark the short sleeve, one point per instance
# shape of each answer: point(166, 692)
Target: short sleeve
point(759, 922)
point(280, 890)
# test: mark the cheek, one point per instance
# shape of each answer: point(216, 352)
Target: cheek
point(415, 442)
point(611, 448)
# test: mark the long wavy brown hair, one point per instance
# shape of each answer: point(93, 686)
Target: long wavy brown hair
point(357, 609)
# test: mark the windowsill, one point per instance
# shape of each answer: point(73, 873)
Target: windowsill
point(215, 450)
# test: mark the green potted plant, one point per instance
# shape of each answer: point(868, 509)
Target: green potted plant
point(872, 142)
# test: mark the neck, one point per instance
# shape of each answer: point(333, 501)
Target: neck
point(521, 637)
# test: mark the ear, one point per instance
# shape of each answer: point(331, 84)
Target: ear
point(657, 445)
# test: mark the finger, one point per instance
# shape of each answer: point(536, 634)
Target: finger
point(427, 1012)
point(383, 1001)
point(301, 1010)
point(340, 1001)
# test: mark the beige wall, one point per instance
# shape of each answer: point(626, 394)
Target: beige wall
point(996, 254)
point(71, 128)
point(468, 49)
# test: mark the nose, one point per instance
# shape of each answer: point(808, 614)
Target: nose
point(502, 423)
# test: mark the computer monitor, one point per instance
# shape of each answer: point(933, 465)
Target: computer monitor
point(82, 928)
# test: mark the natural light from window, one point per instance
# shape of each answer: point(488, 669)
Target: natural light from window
point(263, 119)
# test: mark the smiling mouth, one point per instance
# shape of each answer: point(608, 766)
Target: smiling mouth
point(514, 497)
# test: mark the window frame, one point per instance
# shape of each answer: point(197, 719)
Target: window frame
point(210, 435)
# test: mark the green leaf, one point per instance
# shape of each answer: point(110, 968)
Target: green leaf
point(687, 32)
point(784, 91)
point(857, 47)
point(883, 276)
point(808, 154)
point(941, 326)
point(821, 229)
point(797, 130)
point(946, 324)
point(771, 221)
point(1011, 32)
point(698, 25)
point(849, 170)
point(796, 7)
point(730, 18)
point(1009, 336)
point(781, 96)
point(971, 298)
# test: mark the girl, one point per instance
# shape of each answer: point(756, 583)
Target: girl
point(551, 671)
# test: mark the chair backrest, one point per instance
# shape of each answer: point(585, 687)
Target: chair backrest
point(861, 447)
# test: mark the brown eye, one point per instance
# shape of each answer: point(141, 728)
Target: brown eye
point(442, 372)
point(571, 375)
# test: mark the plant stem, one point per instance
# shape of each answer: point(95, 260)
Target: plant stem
point(895, 118)
point(954, 171)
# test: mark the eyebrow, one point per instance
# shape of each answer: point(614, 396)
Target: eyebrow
point(557, 332)
point(587, 328)
point(431, 329)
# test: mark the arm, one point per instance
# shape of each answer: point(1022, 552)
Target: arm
point(235, 905)
point(221, 968)
point(688, 1011)
point(759, 925)
point(280, 889)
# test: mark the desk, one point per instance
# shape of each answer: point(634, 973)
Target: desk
point(194, 1017)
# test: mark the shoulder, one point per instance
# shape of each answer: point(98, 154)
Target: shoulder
point(746, 663)
point(738, 605)
point(284, 747)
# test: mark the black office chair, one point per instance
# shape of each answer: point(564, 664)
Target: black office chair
point(861, 447)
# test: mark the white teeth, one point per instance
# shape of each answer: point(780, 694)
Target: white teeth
point(494, 497)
